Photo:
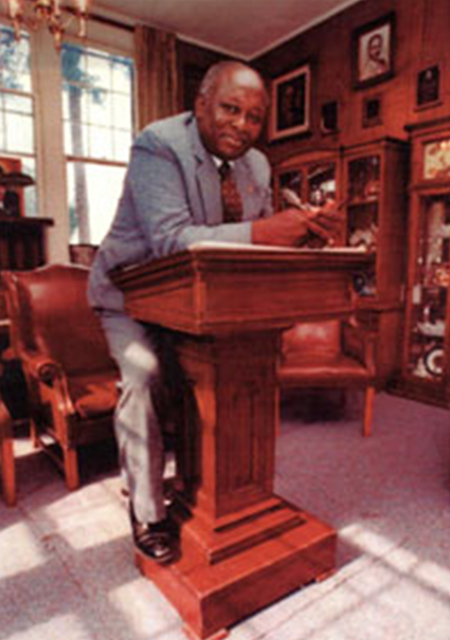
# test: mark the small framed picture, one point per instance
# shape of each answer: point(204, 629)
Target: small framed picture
point(427, 91)
point(329, 117)
point(373, 52)
point(372, 115)
point(290, 104)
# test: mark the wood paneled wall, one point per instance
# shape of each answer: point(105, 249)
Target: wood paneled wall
point(193, 62)
point(422, 34)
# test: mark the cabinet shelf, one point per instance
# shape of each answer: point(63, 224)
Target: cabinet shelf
point(362, 202)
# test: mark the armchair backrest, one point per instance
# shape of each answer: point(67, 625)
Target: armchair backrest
point(307, 341)
point(50, 316)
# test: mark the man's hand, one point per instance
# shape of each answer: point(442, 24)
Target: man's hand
point(327, 222)
point(285, 229)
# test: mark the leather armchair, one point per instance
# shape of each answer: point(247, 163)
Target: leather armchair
point(332, 353)
point(72, 381)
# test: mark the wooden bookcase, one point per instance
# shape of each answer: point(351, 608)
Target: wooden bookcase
point(370, 181)
point(426, 348)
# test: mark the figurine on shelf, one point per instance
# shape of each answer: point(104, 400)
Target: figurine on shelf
point(10, 186)
point(420, 370)
point(365, 237)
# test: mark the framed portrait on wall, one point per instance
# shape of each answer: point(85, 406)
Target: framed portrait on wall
point(427, 90)
point(371, 111)
point(329, 117)
point(373, 52)
point(290, 107)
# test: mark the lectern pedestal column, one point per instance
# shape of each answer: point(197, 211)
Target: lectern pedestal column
point(242, 546)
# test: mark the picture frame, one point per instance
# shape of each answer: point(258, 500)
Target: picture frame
point(290, 107)
point(428, 87)
point(373, 52)
point(11, 198)
point(372, 111)
point(329, 117)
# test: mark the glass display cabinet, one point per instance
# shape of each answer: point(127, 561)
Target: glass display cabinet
point(374, 193)
point(426, 362)
point(369, 182)
point(312, 178)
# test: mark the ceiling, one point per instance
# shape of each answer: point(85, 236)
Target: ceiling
point(242, 28)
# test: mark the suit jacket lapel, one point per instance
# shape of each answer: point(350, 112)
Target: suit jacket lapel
point(207, 179)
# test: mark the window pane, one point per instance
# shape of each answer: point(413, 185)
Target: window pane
point(19, 133)
point(99, 70)
point(2, 128)
point(98, 92)
point(100, 107)
point(94, 192)
point(29, 167)
point(68, 139)
point(98, 114)
point(19, 104)
point(122, 113)
point(17, 109)
point(122, 75)
point(121, 146)
point(100, 143)
point(15, 71)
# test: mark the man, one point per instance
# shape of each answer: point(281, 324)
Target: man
point(171, 199)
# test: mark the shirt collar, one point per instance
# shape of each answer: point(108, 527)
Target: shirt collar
point(219, 161)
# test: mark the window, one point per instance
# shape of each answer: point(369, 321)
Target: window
point(17, 108)
point(98, 128)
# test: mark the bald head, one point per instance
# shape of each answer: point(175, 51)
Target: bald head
point(230, 108)
point(215, 74)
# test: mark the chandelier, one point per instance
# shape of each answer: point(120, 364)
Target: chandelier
point(49, 13)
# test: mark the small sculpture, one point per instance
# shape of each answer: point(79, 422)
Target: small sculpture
point(10, 184)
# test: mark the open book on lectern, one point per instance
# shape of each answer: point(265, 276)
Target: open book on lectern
point(211, 244)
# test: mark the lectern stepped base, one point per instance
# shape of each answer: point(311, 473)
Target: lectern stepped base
point(212, 597)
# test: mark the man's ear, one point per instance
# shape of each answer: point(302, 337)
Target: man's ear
point(199, 106)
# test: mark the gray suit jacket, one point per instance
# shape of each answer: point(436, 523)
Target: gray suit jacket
point(171, 199)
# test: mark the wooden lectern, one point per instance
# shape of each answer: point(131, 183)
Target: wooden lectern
point(242, 547)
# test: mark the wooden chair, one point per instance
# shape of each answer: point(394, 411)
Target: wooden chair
point(72, 381)
point(334, 353)
point(7, 467)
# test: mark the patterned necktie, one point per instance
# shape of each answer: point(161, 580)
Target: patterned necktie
point(231, 200)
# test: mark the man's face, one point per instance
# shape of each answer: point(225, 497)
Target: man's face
point(230, 119)
point(375, 46)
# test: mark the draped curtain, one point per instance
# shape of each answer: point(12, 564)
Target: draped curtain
point(156, 65)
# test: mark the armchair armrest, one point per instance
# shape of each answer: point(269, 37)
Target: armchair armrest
point(50, 373)
point(360, 343)
point(41, 367)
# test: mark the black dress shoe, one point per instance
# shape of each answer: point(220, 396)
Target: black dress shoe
point(157, 541)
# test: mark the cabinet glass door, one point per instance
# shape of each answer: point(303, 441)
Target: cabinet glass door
point(321, 183)
point(429, 292)
point(290, 189)
point(363, 195)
